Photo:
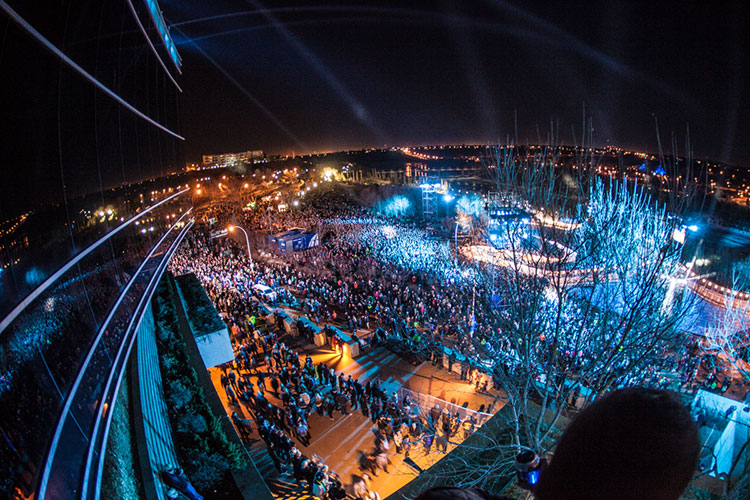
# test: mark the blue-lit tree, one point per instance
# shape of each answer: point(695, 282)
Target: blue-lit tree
point(471, 215)
point(726, 352)
point(596, 303)
point(396, 206)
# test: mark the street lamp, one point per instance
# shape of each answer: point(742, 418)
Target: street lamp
point(247, 240)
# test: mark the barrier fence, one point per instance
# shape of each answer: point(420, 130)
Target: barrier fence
point(423, 405)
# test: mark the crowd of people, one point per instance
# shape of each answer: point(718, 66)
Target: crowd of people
point(281, 391)
point(373, 273)
point(269, 378)
point(381, 275)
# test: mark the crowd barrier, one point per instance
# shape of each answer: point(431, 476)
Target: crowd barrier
point(423, 405)
point(281, 319)
point(467, 368)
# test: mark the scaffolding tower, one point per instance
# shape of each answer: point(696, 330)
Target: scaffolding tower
point(431, 188)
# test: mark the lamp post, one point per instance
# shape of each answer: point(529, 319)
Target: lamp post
point(247, 240)
point(455, 244)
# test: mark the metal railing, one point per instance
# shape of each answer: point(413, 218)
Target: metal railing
point(423, 405)
point(79, 440)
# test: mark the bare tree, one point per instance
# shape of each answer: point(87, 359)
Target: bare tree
point(728, 339)
point(585, 297)
point(726, 350)
point(682, 180)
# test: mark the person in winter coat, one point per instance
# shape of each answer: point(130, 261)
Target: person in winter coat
point(406, 446)
point(360, 487)
point(398, 440)
point(381, 460)
point(297, 466)
point(303, 432)
point(336, 491)
point(320, 485)
point(243, 425)
point(319, 404)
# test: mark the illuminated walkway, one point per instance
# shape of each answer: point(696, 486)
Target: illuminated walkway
point(339, 442)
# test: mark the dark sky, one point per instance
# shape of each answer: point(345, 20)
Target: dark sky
point(321, 76)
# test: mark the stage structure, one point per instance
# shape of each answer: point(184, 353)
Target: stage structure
point(432, 190)
point(507, 225)
point(294, 240)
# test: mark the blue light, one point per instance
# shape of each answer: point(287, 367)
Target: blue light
point(34, 276)
point(448, 197)
point(470, 205)
point(693, 227)
point(153, 7)
point(533, 476)
point(395, 206)
point(401, 203)
point(493, 237)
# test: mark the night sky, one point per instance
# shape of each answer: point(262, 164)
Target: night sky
point(318, 76)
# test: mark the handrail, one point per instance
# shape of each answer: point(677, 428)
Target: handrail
point(150, 44)
point(74, 389)
point(165, 262)
point(72, 262)
point(95, 431)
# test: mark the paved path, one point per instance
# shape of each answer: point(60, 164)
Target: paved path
point(339, 442)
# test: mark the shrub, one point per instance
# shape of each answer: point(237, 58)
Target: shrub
point(179, 395)
point(202, 446)
point(207, 470)
point(192, 423)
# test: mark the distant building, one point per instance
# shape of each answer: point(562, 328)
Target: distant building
point(229, 159)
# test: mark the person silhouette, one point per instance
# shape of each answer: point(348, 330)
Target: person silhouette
point(631, 444)
point(634, 443)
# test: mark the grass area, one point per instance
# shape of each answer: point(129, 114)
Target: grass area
point(201, 312)
point(119, 477)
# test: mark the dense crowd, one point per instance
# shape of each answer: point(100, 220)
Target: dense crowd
point(371, 272)
point(374, 272)
point(327, 293)
point(281, 391)
point(378, 274)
